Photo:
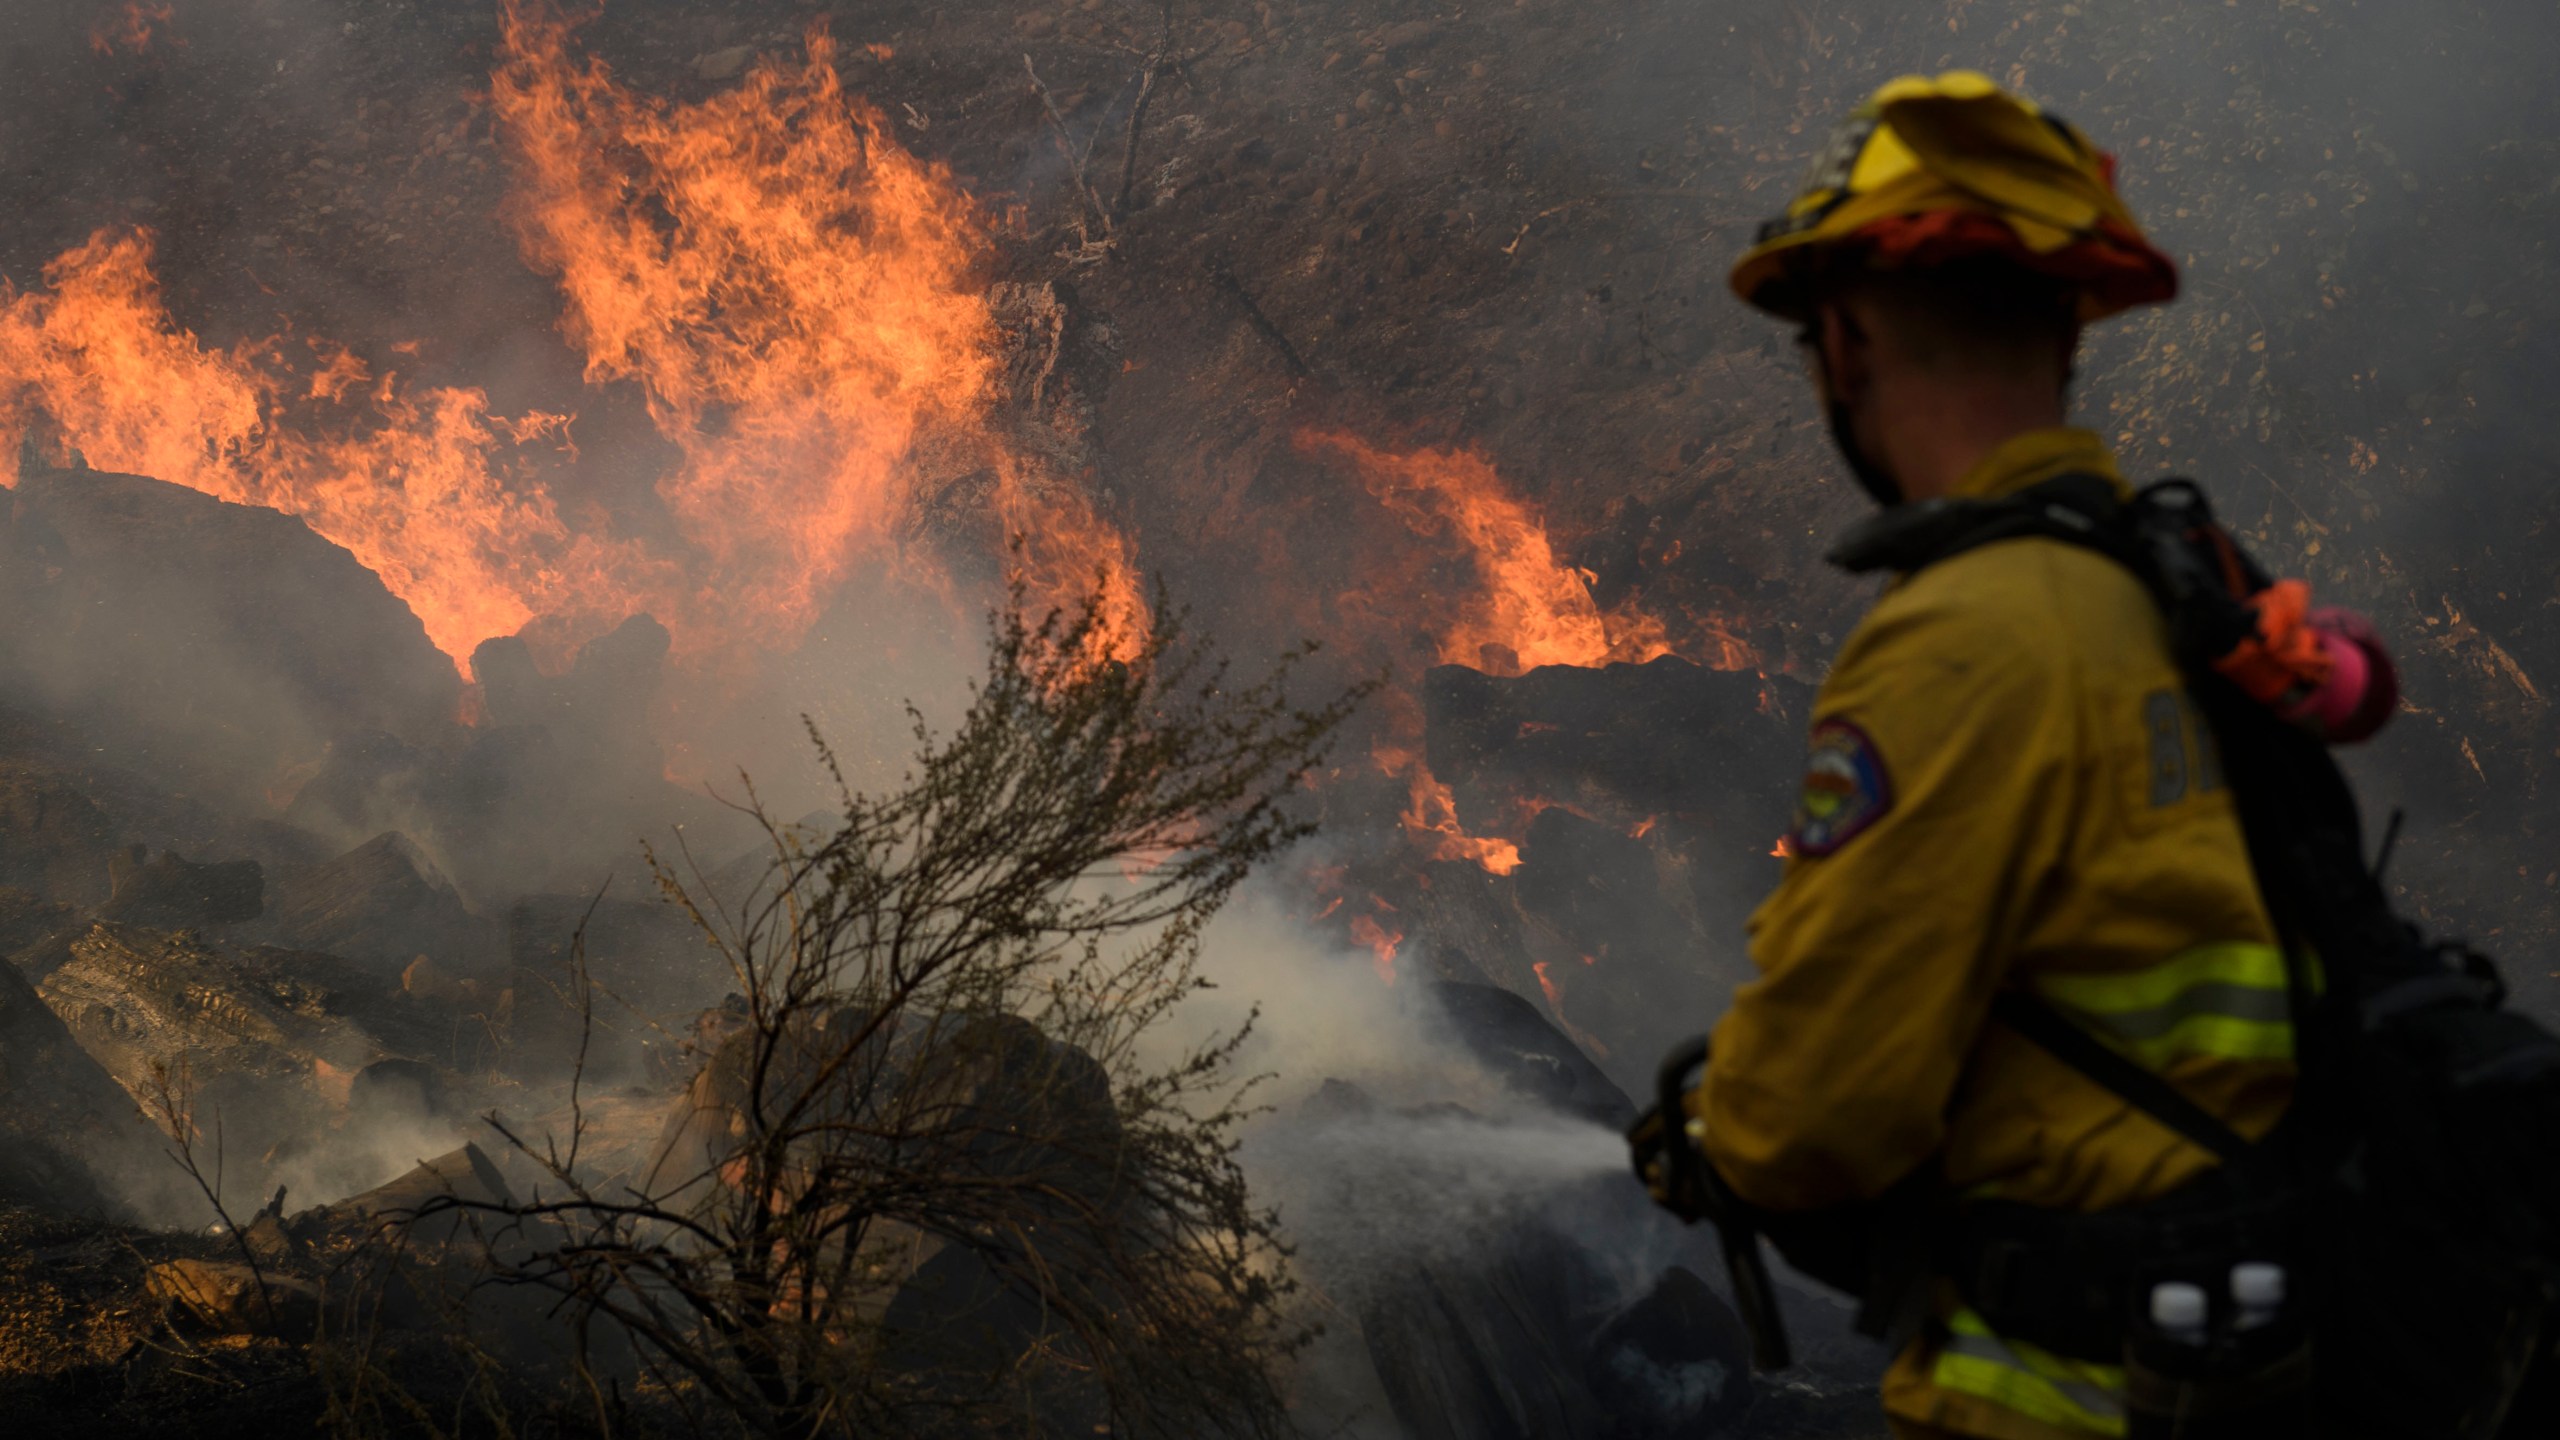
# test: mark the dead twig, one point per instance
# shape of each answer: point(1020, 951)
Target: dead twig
point(173, 1098)
point(936, 1050)
point(1066, 145)
point(1225, 279)
point(1155, 65)
point(1514, 247)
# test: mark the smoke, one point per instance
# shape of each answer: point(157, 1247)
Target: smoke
point(1371, 1189)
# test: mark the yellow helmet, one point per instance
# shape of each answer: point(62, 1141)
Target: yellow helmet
point(1931, 171)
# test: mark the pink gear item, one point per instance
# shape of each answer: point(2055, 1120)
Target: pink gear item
point(2362, 687)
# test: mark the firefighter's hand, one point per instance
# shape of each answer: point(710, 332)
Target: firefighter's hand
point(1669, 1163)
point(1645, 1145)
point(1664, 1140)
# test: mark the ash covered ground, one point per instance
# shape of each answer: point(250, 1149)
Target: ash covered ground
point(1321, 310)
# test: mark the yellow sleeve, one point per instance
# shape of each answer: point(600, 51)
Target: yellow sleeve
point(1938, 795)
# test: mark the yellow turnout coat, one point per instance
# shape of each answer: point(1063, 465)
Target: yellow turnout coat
point(2007, 786)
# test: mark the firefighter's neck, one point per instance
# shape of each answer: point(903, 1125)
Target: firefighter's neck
point(1929, 423)
point(1931, 431)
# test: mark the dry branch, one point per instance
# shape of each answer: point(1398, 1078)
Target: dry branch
point(931, 1181)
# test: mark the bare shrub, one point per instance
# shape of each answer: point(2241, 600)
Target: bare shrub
point(928, 1180)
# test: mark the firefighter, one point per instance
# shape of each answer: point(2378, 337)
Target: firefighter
point(2008, 784)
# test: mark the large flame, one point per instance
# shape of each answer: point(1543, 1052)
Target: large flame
point(417, 486)
point(787, 285)
point(793, 293)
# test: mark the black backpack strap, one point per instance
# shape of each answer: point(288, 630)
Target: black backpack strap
point(2077, 507)
point(2050, 1029)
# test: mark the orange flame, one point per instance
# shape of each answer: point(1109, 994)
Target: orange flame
point(785, 283)
point(1555, 1006)
point(1065, 552)
point(791, 291)
point(795, 295)
point(1431, 814)
point(1528, 608)
point(1546, 982)
point(128, 32)
point(1381, 943)
point(418, 489)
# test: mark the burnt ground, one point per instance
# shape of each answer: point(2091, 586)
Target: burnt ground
point(86, 1349)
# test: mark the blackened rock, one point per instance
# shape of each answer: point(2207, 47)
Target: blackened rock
point(383, 903)
point(991, 1097)
point(1676, 1365)
point(958, 1335)
point(1489, 1347)
point(1505, 1033)
point(63, 1119)
point(222, 641)
point(1636, 974)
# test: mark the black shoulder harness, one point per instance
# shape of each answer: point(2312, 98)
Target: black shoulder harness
point(2078, 507)
point(2165, 535)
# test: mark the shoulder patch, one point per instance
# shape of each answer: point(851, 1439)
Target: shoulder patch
point(1846, 789)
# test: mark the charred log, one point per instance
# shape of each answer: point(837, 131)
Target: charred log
point(383, 903)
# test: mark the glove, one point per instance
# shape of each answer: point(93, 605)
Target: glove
point(1663, 1143)
point(1677, 1183)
